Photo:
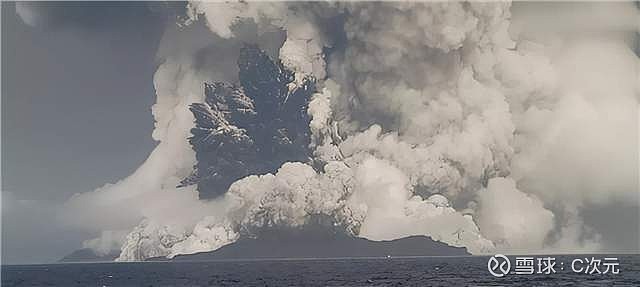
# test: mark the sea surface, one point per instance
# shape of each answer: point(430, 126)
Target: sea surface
point(406, 271)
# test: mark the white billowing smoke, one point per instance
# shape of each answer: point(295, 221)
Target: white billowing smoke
point(594, 114)
point(512, 218)
point(302, 50)
point(108, 242)
point(426, 69)
point(433, 120)
point(578, 142)
point(150, 192)
point(391, 211)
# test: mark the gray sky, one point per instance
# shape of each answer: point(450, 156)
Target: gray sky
point(76, 99)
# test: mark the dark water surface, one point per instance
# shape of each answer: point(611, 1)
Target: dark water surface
point(424, 271)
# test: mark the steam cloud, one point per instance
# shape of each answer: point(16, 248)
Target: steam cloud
point(449, 120)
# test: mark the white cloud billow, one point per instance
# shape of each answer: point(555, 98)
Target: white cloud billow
point(433, 120)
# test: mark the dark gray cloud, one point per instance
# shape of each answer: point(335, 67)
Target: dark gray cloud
point(249, 129)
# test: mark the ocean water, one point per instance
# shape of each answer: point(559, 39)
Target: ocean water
point(423, 271)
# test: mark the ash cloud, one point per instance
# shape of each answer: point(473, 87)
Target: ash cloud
point(252, 128)
point(466, 122)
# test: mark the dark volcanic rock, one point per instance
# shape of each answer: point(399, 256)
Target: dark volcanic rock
point(318, 243)
point(88, 255)
point(250, 128)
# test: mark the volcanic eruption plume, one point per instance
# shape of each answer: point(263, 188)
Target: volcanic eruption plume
point(454, 120)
